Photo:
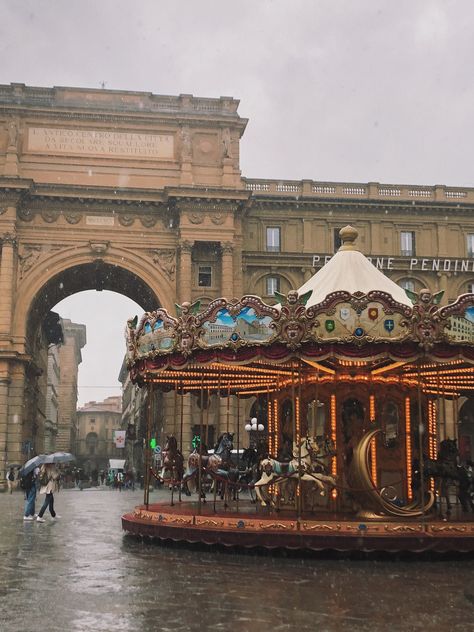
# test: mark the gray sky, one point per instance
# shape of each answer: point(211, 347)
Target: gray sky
point(348, 90)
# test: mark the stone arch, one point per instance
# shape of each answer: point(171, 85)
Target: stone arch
point(118, 270)
point(419, 282)
point(258, 276)
point(462, 286)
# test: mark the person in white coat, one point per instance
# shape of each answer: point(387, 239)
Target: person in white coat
point(49, 481)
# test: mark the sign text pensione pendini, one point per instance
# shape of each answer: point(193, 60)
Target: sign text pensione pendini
point(407, 263)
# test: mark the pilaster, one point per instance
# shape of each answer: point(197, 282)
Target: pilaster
point(185, 271)
point(227, 283)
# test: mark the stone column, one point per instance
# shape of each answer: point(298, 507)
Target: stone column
point(7, 276)
point(185, 271)
point(4, 386)
point(16, 413)
point(227, 278)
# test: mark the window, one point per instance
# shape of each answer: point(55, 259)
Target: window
point(407, 284)
point(470, 288)
point(407, 243)
point(205, 276)
point(273, 285)
point(337, 239)
point(273, 239)
point(470, 244)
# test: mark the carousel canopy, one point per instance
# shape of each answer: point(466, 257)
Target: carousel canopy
point(349, 270)
point(349, 322)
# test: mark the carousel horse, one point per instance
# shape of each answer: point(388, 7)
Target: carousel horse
point(321, 465)
point(172, 469)
point(274, 472)
point(201, 459)
point(444, 470)
point(466, 486)
point(173, 462)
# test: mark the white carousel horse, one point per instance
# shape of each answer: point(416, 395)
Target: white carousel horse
point(274, 472)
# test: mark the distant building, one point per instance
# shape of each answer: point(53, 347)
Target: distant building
point(52, 401)
point(69, 359)
point(96, 423)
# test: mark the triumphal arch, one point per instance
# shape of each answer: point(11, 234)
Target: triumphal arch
point(142, 194)
point(107, 190)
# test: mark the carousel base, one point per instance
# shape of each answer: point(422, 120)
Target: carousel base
point(246, 527)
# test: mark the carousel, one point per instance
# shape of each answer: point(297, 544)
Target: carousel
point(349, 389)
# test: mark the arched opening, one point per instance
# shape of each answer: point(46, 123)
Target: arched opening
point(45, 332)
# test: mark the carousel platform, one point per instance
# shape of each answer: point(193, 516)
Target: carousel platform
point(246, 527)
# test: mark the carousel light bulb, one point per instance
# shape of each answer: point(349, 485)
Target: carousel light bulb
point(260, 427)
point(253, 421)
point(248, 427)
point(254, 427)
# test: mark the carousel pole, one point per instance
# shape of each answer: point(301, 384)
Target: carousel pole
point(295, 438)
point(238, 445)
point(181, 421)
point(228, 407)
point(149, 417)
point(175, 409)
point(299, 499)
point(421, 459)
point(206, 430)
point(201, 422)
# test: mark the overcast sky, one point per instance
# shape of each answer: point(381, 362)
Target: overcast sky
point(349, 90)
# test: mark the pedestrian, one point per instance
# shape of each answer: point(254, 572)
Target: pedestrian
point(49, 481)
point(28, 484)
point(10, 479)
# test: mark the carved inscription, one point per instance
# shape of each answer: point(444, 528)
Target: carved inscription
point(100, 143)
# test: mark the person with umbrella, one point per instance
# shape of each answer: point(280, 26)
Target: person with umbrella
point(28, 475)
point(49, 481)
point(28, 484)
point(11, 479)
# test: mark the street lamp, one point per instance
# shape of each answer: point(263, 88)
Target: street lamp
point(254, 426)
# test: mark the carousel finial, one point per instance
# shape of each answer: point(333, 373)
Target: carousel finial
point(348, 235)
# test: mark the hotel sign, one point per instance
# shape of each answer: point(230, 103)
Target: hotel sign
point(406, 263)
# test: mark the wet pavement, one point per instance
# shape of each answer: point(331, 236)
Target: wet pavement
point(82, 573)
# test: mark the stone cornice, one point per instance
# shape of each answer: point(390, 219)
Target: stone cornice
point(119, 105)
point(356, 206)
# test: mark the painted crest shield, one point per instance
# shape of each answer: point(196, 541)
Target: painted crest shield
point(330, 325)
point(345, 312)
point(389, 324)
point(373, 313)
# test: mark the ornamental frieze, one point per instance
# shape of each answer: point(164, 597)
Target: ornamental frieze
point(72, 217)
point(50, 215)
point(148, 220)
point(30, 254)
point(126, 220)
point(165, 259)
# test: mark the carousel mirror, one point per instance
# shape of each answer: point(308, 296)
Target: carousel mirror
point(316, 418)
point(390, 423)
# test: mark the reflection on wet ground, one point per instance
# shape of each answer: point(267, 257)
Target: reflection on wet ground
point(82, 573)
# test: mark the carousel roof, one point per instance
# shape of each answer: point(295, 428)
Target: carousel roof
point(349, 322)
point(350, 271)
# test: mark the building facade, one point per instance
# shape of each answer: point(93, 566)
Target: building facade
point(94, 444)
point(142, 194)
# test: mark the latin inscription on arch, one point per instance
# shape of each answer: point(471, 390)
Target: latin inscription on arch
point(55, 140)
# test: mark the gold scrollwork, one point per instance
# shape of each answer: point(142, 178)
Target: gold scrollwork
point(277, 525)
point(177, 520)
point(400, 528)
point(211, 523)
point(448, 528)
point(321, 527)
